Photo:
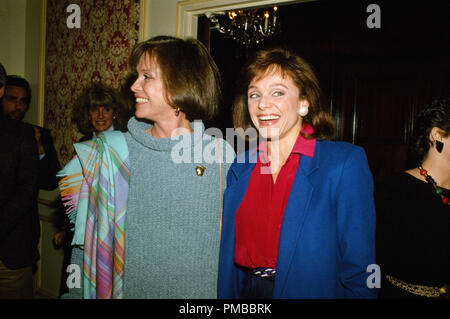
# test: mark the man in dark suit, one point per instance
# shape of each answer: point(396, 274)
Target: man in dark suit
point(15, 103)
point(19, 221)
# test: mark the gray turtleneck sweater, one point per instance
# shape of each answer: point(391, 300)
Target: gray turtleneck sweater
point(172, 223)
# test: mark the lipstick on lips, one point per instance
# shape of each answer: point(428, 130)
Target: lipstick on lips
point(141, 100)
point(268, 119)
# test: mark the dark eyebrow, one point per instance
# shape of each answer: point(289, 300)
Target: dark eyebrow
point(12, 96)
point(275, 84)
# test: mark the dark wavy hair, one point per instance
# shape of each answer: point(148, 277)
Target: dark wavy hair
point(435, 114)
point(288, 63)
point(191, 78)
point(99, 95)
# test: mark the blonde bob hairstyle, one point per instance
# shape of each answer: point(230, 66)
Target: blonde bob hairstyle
point(190, 76)
point(266, 61)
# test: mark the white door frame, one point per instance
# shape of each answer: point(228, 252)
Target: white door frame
point(188, 11)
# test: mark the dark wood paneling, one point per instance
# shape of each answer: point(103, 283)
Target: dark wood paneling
point(375, 80)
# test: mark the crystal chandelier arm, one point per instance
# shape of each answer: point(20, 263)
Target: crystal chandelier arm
point(245, 26)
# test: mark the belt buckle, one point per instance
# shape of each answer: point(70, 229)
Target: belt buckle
point(264, 272)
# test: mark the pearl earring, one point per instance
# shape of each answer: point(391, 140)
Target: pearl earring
point(303, 110)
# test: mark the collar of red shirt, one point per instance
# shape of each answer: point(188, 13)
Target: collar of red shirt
point(302, 145)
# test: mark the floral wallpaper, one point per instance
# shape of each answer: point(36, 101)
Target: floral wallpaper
point(78, 57)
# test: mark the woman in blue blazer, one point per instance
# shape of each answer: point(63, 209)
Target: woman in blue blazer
point(306, 229)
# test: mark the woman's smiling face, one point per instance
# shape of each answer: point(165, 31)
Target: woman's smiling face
point(149, 90)
point(101, 118)
point(273, 104)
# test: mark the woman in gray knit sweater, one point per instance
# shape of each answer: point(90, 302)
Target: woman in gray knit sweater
point(177, 174)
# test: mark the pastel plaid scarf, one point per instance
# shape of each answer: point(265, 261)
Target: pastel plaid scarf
point(95, 192)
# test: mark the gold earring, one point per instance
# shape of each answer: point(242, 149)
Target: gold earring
point(177, 111)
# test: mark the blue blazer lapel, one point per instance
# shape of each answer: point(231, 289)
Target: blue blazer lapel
point(239, 187)
point(297, 208)
point(238, 179)
point(244, 164)
point(237, 184)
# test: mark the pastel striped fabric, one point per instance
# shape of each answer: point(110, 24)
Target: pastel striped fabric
point(95, 192)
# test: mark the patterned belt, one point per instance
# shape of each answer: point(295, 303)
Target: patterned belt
point(419, 290)
point(264, 272)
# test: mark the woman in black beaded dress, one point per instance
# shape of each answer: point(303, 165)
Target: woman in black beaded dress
point(413, 215)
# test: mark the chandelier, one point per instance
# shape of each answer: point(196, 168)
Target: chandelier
point(246, 26)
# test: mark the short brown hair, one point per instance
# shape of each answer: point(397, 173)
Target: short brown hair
point(190, 76)
point(99, 95)
point(304, 78)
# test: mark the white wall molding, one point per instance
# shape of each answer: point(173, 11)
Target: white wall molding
point(188, 11)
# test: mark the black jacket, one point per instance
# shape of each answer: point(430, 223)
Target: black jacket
point(19, 220)
point(49, 165)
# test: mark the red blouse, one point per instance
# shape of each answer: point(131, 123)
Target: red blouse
point(259, 217)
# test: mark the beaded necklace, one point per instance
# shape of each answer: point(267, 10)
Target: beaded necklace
point(437, 189)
